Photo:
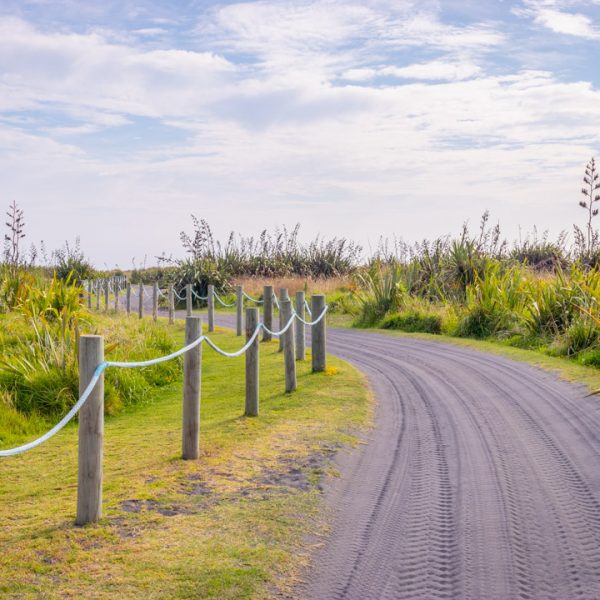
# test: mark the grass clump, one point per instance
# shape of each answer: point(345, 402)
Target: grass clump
point(413, 322)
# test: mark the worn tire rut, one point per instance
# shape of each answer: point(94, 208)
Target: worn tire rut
point(479, 480)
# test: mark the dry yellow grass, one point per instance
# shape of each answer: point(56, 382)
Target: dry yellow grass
point(254, 285)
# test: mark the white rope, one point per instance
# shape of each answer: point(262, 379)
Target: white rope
point(276, 300)
point(177, 295)
point(306, 305)
point(221, 301)
point(199, 296)
point(146, 363)
point(241, 350)
point(63, 421)
point(311, 323)
point(256, 301)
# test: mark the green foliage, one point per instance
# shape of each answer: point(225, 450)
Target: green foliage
point(383, 291)
point(413, 322)
point(71, 264)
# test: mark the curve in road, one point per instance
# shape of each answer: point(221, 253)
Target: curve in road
point(479, 481)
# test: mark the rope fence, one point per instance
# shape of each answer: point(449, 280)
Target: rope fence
point(92, 365)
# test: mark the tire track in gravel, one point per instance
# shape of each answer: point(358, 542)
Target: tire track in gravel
point(480, 480)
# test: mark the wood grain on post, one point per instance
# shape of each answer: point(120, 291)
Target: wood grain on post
point(188, 299)
point(128, 298)
point(239, 307)
point(252, 364)
point(116, 297)
point(155, 301)
point(319, 351)
point(267, 312)
point(283, 296)
point(141, 301)
point(289, 358)
point(211, 308)
point(300, 327)
point(192, 365)
point(91, 432)
point(171, 300)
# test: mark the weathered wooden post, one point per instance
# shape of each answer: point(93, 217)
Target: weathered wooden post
point(106, 291)
point(117, 286)
point(283, 296)
point(289, 359)
point(141, 301)
point(267, 312)
point(128, 298)
point(89, 294)
point(188, 299)
point(192, 365)
point(211, 307)
point(171, 300)
point(155, 301)
point(98, 286)
point(319, 360)
point(239, 307)
point(91, 432)
point(300, 327)
point(252, 363)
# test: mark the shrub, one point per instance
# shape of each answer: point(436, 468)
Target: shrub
point(413, 322)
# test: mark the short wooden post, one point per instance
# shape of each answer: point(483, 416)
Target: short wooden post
point(106, 292)
point(155, 301)
point(288, 347)
point(141, 301)
point(283, 296)
point(188, 299)
point(239, 307)
point(319, 356)
point(117, 286)
point(128, 298)
point(171, 300)
point(300, 327)
point(192, 365)
point(252, 363)
point(91, 432)
point(211, 308)
point(267, 312)
point(89, 294)
point(98, 290)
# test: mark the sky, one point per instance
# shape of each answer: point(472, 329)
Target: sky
point(121, 118)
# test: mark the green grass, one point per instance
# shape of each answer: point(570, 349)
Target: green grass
point(230, 525)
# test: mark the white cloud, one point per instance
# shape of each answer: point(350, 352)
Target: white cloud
point(552, 15)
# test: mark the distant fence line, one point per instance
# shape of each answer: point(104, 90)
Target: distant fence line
point(90, 405)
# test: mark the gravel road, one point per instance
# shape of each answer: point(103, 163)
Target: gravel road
point(480, 481)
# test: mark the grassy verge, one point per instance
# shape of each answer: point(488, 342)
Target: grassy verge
point(231, 525)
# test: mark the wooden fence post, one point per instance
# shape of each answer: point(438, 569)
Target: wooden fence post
point(192, 373)
point(116, 297)
point(267, 312)
point(141, 301)
point(188, 299)
point(98, 289)
point(211, 308)
point(171, 305)
point(239, 307)
point(155, 301)
point(252, 364)
point(106, 292)
point(289, 359)
point(319, 352)
point(283, 296)
point(300, 327)
point(128, 298)
point(91, 432)
point(89, 295)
